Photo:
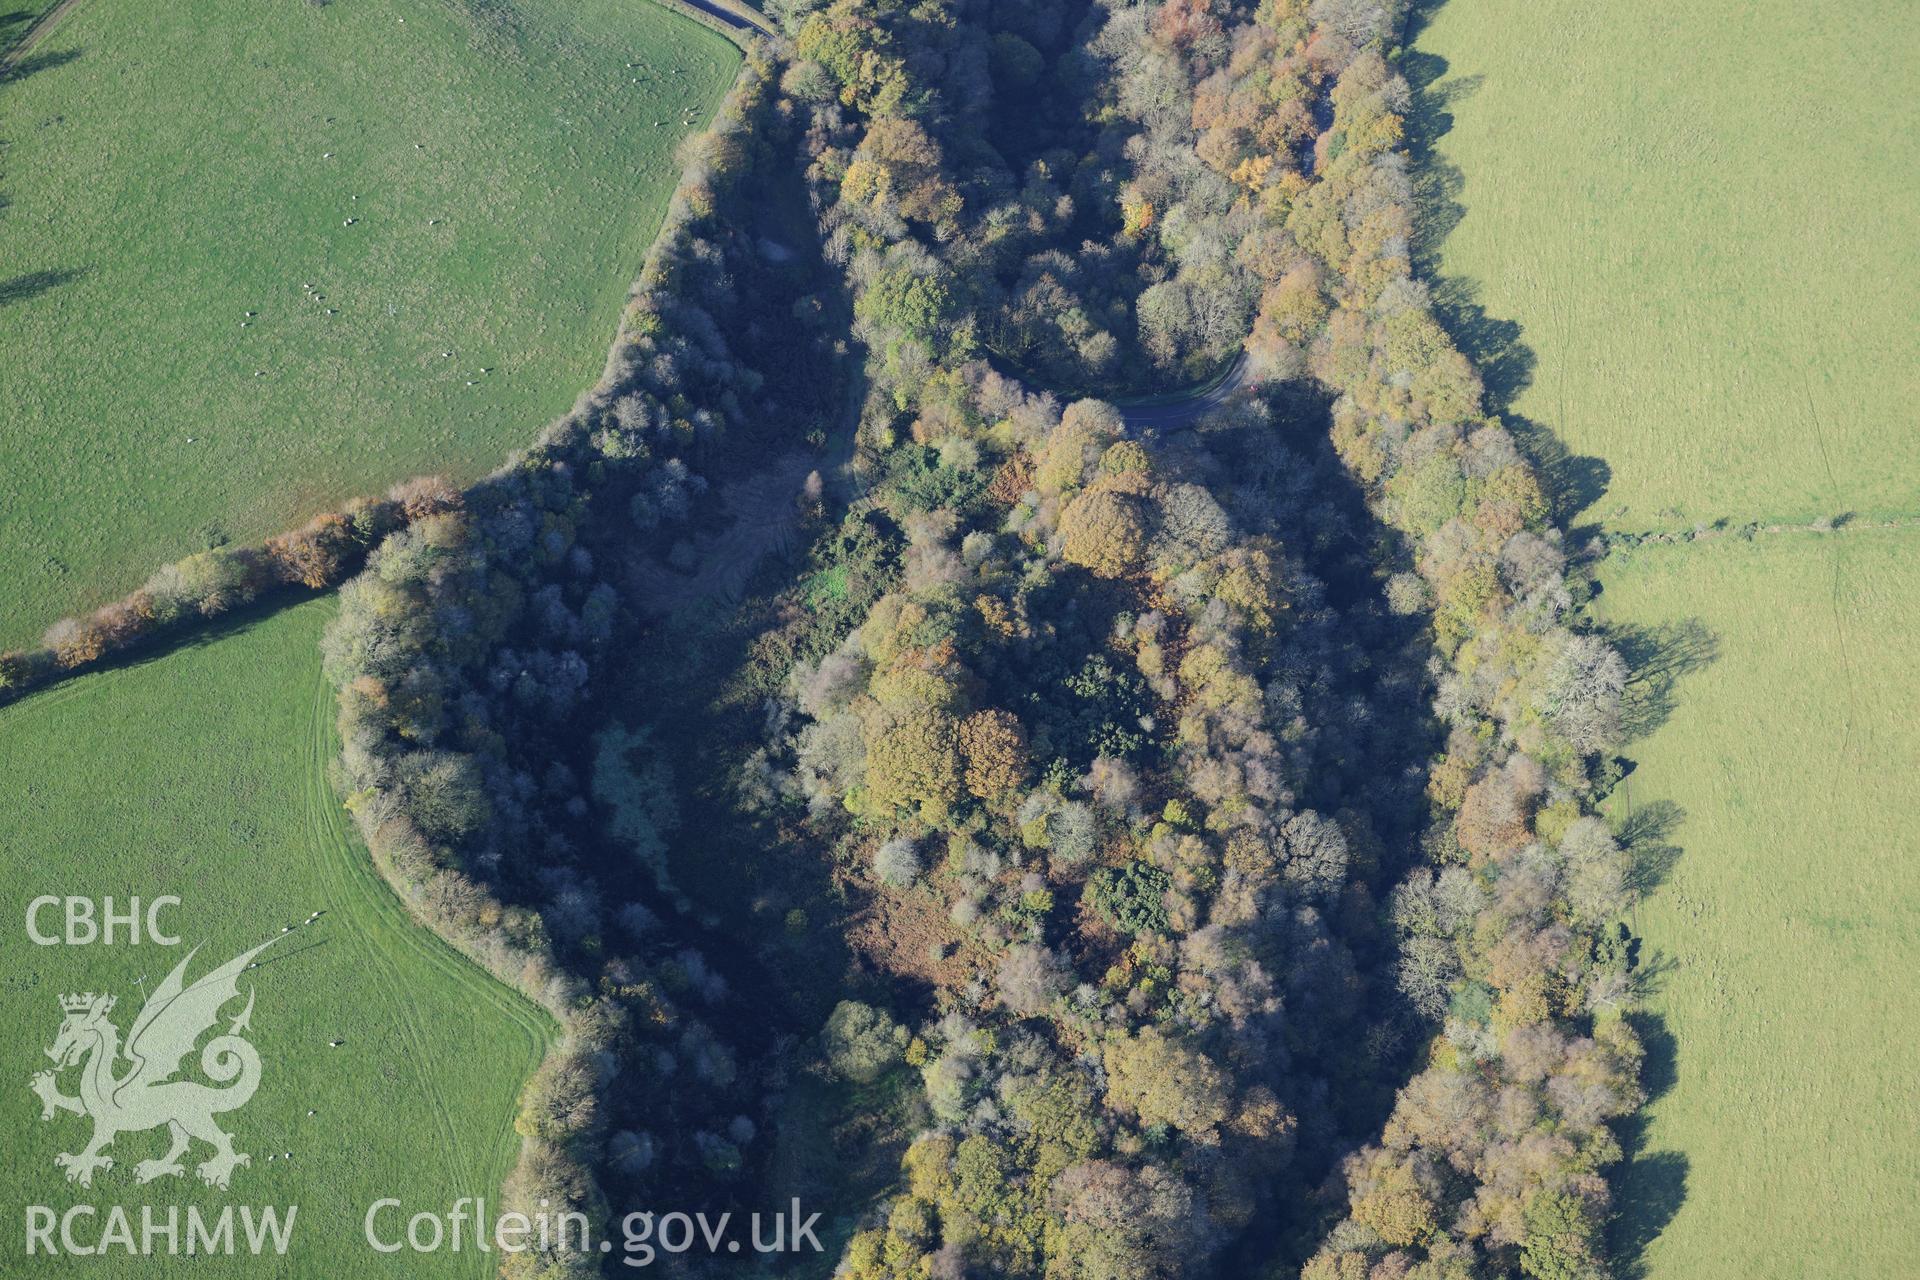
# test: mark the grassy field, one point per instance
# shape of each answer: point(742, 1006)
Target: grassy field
point(200, 773)
point(1685, 240)
point(173, 178)
point(1789, 927)
point(1702, 220)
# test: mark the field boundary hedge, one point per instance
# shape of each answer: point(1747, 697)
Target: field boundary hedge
point(321, 554)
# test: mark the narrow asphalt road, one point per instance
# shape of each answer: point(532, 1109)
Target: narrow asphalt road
point(733, 18)
point(1179, 415)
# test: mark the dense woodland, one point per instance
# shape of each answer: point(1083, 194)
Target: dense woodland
point(1092, 715)
point(1229, 791)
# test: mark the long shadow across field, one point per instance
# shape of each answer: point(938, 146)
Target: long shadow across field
point(1496, 345)
point(1649, 1186)
point(197, 634)
point(1653, 1185)
point(33, 63)
point(1644, 835)
point(25, 288)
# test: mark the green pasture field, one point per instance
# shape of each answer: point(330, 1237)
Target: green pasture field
point(1684, 241)
point(1700, 219)
point(1782, 790)
point(200, 773)
point(173, 177)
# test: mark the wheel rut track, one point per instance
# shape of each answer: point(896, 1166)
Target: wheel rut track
point(374, 901)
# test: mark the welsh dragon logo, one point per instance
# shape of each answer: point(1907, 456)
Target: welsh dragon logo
point(132, 1089)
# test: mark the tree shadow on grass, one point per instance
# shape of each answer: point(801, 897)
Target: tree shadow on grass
point(1574, 482)
point(1651, 1185)
point(1497, 346)
point(1658, 658)
point(185, 635)
point(1651, 855)
point(34, 63)
point(24, 288)
point(1651, 969)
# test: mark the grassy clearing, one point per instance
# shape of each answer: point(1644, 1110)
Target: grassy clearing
point(1789, 926)
point(168, 171)
point(1701, 219)
point(200, 773)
